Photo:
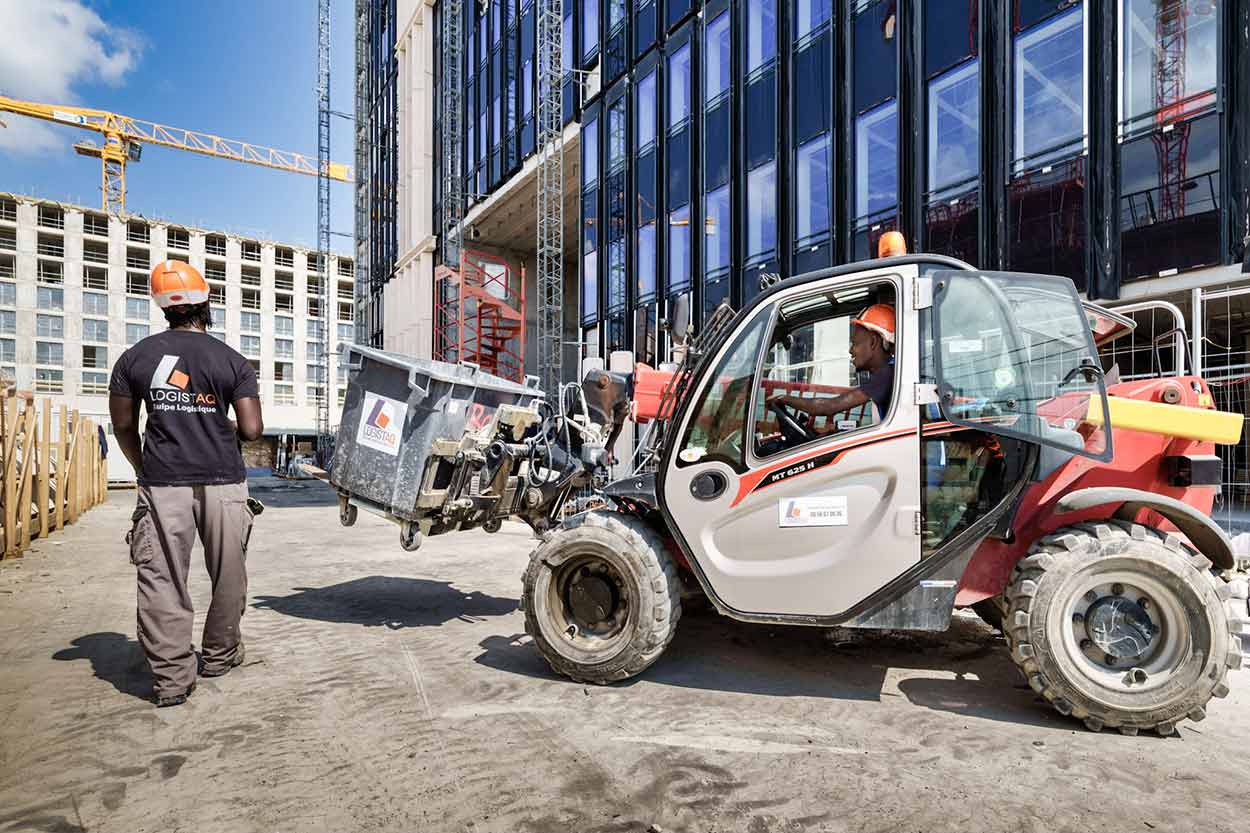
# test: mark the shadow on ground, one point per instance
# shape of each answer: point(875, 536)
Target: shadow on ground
point(116, 659)
point(394, 602)
point(715, 653)
point(277, 493)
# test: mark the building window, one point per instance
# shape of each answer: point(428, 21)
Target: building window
point(8, 322)
point(49, 381)
point(251, 251)
point(284, 371)
point(8, 294)
point(49, 326)
point(95, 278)
point(51, 271)
point(215, 244)
point(284, 303)
point(95, 329)
point(137, 283)
point(590, 29)
point(617, 284)
point(761, 207)
point(315, 394)
point(760, 151)
point(138, 232)
point(8, 239)
point(49, 298)
point(94, 384)
point(8, 267)
point(249, 322)
point(249, 345)
point(8, 350)
point(216, 293)
point(718, 139)
point(177, 238)
point(218, 316)
point(1049, 89)
point(8, 211)
point(137, 259)
point(97, 357)
point(50, 245)
point(214, 271)
point(812, 192)
point(590, 220)
point(313, 351)
point(284, 257)
point(93, 303)
point(49, 352)
point(249, 276)
point(312, 329)
point(811, 109)
point(679, 167)
point(284, 394)
point(347, 332)
point(1171, 60)
point(315, 373)
point(251, 299)
point(51, 217)
point(283, 325)
point(95, 224)
point(138, 308)
point(876, 123)
point(136, 333)
point(954, 128)
point(284, 348)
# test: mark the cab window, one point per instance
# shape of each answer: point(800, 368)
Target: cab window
point(809, 357)
point(717, 429)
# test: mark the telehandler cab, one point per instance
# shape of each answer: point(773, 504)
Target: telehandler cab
point(1004, 473)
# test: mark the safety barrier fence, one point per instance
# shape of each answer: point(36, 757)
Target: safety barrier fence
point(51, 467)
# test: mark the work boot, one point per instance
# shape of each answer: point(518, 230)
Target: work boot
point(235, 661)
point(174, 699)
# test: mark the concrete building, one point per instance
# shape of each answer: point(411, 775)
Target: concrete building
point(74, 295)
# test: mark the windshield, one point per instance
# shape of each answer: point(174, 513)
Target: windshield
point(1017, 358)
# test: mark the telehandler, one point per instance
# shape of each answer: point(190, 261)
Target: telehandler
point(1006, 472)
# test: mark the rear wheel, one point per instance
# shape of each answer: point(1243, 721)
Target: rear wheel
point(1120, 626)
point(601, 597)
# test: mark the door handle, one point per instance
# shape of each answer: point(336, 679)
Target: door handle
point(708, 485)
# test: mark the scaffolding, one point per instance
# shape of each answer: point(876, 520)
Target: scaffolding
point(361, 194)
point(324, 438)
point(483, 302)
point(549, 259)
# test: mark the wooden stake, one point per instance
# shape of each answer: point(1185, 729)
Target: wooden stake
point(27, 484)
point(62, 468)
point(45, 466)
point(10, 477)
point(71, 469)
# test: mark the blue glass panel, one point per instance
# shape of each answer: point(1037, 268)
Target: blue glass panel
point(950, 33)
point(717, 230)
point(646, 112)
point(679, 86)
point(812, 187)
point(590, 152)
point(590, 286)
point(809, 14)
point(590, 28)
point(876, 160)
point(679, 168)
point(954, 126)
point(616, 134)
point(646, 261)
point(1049, 79)
point(875, 49)
point(716, 60)
point(812, 87)
point(761, 209)
point(1193, 47)
point(761, 119)
point(761, 33)
point(679, 249)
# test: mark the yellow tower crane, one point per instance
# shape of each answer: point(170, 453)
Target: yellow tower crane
point(124, 137)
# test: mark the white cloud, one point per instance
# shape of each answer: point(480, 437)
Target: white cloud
point(49, 47)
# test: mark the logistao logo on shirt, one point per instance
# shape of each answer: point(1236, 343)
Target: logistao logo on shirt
point(170, 390)
point(381, 420)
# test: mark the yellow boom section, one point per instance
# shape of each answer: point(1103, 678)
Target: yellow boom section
point(1173, 420)
point(120, 132)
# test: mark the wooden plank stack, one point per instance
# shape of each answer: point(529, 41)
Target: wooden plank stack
point(45, 483)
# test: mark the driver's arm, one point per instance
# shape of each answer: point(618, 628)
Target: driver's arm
point(827, 406)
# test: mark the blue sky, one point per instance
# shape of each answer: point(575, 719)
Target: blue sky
point(241, 70)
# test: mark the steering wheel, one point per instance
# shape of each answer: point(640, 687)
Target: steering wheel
point(793, 430)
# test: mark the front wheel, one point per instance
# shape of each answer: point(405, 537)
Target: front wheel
point(1120, 625)
point(601, 597)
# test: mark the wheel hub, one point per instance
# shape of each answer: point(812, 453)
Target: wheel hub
point(1119, 627)
point(591, 598)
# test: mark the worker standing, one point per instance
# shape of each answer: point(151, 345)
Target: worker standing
point(191, 480)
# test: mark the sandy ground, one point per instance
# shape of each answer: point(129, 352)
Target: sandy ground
point(392, 691)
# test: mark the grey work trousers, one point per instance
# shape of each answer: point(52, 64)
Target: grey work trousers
point(164, 525)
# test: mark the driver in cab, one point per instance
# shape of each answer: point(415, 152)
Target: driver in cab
point(872, 352)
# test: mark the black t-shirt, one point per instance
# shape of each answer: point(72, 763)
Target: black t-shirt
point(187, 380)
point(880, 387)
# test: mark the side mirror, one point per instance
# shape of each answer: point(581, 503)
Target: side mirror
point(679, 320)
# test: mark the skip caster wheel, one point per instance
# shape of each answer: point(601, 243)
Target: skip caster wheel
point(410, 536)
point(347, 513)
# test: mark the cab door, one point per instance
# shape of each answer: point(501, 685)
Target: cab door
point(788, 525)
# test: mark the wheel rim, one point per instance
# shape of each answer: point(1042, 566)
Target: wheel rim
point(590, 605)
point(1116, 641)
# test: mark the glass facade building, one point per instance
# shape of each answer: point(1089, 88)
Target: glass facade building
point(727, 141)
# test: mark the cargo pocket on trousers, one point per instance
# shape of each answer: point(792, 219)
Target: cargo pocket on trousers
point(142, 535)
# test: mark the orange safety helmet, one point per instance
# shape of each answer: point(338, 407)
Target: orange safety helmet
point(880, 319)
point(175, 283)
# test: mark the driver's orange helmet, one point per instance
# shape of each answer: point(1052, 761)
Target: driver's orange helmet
point(175, 283)
point(880, 319)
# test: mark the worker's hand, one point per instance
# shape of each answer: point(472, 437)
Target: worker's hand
point(789, 401)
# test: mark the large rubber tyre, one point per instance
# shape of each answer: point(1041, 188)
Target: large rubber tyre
point(1187, 665)
point(647, 597)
